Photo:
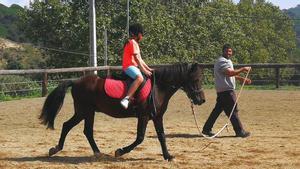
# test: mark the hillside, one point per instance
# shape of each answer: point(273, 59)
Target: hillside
point(294, 13)
point(5, 43)
point(8, 23)
point(15, 55)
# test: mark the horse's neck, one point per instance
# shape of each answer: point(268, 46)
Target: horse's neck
point(163, 97)
point(171, 76)
point(169, 80)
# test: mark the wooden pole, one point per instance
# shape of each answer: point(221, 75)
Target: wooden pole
point(277, 73)
point(44, 85)
point(108, 74)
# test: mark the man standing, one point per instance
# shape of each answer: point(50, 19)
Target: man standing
point(225, 75)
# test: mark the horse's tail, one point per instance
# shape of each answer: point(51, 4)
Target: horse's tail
point(53, 104)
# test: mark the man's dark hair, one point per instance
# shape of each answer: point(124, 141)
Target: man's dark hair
point(226, 46)
point(135, 29)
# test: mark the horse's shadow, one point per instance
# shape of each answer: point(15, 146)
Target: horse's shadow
point(74, 160)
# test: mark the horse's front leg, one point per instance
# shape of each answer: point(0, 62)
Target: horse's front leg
point(158, 123)
point(89, 132)
point(141, 129)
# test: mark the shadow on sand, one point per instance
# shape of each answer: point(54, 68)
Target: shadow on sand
point(75, 160)
point(183, 135)
point(179, 135)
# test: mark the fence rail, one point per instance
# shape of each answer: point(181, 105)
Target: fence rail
point(86, 70)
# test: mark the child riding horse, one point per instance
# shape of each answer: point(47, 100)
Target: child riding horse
point(89, 97)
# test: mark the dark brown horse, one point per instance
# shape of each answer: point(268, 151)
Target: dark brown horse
point(89, 97)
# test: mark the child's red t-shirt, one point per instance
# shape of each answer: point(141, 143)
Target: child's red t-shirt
point(130, 50)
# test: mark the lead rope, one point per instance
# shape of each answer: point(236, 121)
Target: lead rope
point(228, 120)
point(195, 118)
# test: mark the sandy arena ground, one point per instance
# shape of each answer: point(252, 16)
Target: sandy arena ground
point(272, 117)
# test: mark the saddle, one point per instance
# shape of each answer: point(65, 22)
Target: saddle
point(117, 89)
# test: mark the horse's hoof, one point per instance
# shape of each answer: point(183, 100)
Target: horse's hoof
point(118, 152)
point(170, 158)
point(53, 150)
point(97, 154)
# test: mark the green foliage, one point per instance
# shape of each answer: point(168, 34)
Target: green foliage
point(18, 86)
point(54, 25)
point(176, 30)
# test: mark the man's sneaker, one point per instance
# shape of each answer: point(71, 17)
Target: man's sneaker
point(208, 133)
point(243, 134)
point(125, 102)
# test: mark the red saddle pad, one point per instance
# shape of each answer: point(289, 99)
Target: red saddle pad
point(118, 89)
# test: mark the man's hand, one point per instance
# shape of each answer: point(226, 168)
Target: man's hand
point(246, 69)
point(242, 79)
point(248, 81)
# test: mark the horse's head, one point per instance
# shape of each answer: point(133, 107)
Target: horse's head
point(193, 85)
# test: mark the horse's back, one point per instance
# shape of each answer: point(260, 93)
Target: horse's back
point(85, 88)
point(88, 93)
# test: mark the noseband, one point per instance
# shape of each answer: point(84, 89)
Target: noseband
point(198, 91)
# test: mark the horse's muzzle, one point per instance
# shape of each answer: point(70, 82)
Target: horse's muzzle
point(202, 101)
point(199, 102)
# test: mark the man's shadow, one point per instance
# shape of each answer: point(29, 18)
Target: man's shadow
point(185, 135)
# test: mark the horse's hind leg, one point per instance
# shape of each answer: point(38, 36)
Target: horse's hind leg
point(141, 129)
point(88, 132)
point(67, 126)
point(158, 124)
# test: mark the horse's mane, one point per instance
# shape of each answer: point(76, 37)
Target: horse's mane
point(172, 74)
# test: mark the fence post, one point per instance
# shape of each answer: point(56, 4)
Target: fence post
point(277, 71)
point(108, 73)
point(44, 85)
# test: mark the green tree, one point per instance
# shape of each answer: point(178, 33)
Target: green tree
point(56, 25)
point(176, 31)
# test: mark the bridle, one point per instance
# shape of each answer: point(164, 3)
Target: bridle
point(192, 92)
point(197, 91)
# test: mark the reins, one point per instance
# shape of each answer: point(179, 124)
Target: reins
point(153, 95)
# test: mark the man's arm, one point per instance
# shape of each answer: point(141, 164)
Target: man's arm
point(241, 79)
point(231, 72)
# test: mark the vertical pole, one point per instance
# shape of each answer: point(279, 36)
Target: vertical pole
point(108, 73)
point(127, 27)
point(105, 47)
point(93, 38)
point(277, 75)
point(44, 85)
